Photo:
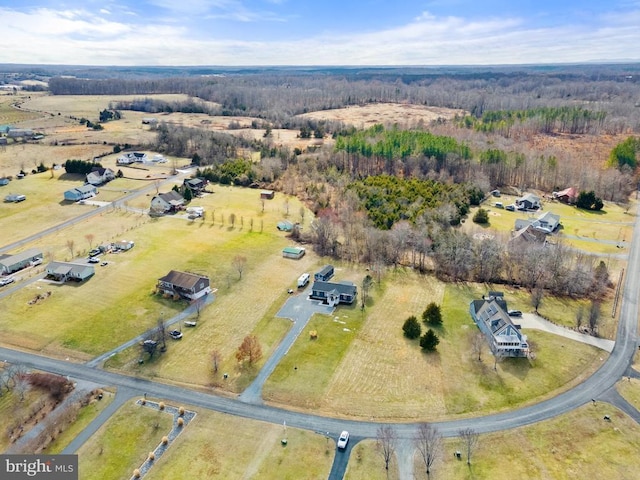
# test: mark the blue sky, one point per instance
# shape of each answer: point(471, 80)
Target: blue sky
point(329, 32)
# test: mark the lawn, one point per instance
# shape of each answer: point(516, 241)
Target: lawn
point(228, 447)
point(85, 416)
point(576, 445)
point(597, 232)
point(123, 443)
point(366, 463)
point(119, 297)
point(371, 371)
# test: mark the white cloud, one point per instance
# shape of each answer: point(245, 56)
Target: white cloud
point(83, 37)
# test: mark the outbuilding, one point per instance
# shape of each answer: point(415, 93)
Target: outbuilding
point(293, 252)
point(324, 274)
point(13, 263)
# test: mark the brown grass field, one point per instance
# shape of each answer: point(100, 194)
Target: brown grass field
point(579, 444)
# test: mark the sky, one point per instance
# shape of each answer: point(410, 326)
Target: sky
point(329, 32)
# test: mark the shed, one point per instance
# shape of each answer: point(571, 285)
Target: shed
point(293, 252)
point(267, 194)
point(324, 274)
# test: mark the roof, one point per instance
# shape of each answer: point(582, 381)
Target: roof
point(529, 197)
point(346, 288)
point(172, 197)
point(528, 234)
point(570, 192)
point(326, 269)
point(194, 182)
point(182, 279)
point(294, 250)
point(22, 256)
point(65, 268)
point(493, 313)
point(85, 188)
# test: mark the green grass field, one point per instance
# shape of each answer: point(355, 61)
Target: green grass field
point(581, 229)
point(366, 463)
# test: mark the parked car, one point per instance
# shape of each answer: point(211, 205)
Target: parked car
point(6, 281)
point(511, 207)
point(343, 440)
point(104, 264)
point(94, 252)
point(175, 334)
point(94, 260)
point(514, 313)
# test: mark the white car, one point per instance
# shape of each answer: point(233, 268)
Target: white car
point(343, 440)
point(6, 281)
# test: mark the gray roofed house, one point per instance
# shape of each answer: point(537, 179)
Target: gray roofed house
point(13, 263)
point(184, 284)
point(528, 201)
point(547, 223)
point(490, 315)
point(65, 271)
point(80, 193)
point(334, 293)
point(167, 202)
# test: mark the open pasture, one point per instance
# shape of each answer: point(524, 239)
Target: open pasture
point(579, 444)
point(374, 372)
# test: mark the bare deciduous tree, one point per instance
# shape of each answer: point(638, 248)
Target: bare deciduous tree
point(470, 439)
point(239, 262)
point(594, 316)
point(477, 344)
point(71, 246)
point(90, 237)
point(216, 358)
point(536, 298)
point(386, 439)
point(428, 441)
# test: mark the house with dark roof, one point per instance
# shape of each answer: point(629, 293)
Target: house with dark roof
point(504, 338)
point(334, 293)
point(324, 274)
point(99, 175)
point(131, 157)
point(13, 263)
point(183, 284)
point(171, 201)
point(69, 271)
point(528, 201)
point(196, 185)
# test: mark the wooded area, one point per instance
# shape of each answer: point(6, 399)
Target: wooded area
point(393, 194)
